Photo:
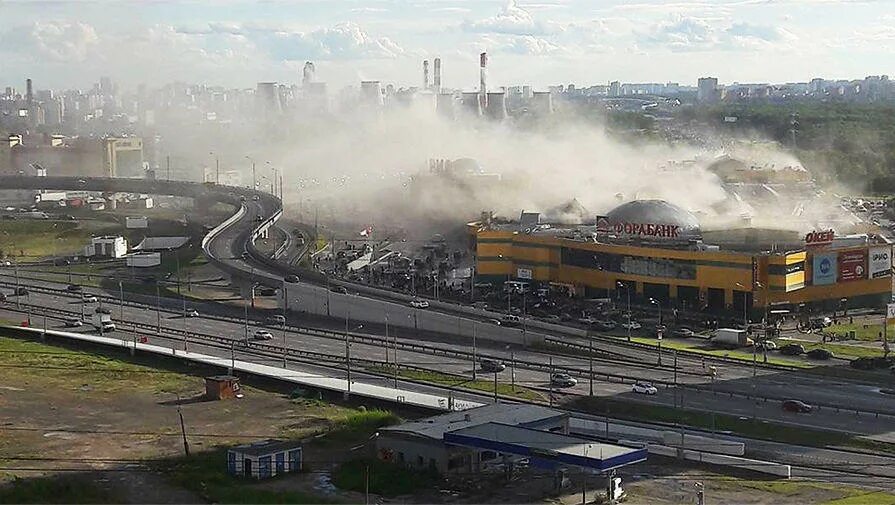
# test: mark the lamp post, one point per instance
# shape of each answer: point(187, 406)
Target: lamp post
point(659, 328)
point(628, 294)
point(745, 305)
point(253, 171)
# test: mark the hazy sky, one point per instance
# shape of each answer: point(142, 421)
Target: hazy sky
point(538, 42)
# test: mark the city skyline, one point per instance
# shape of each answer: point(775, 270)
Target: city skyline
point(545, 43)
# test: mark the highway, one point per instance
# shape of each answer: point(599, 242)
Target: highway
point(531, 371)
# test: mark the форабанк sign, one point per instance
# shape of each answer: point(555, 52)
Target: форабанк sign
point(648, 229)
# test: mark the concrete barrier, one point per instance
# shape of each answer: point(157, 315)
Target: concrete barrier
point(594, 427)
point(752, 465)
point(705, 444)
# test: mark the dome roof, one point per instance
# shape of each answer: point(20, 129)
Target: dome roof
point(653, 219)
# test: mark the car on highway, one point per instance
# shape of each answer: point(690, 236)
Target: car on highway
point(683, 332)
point(510, 320)
point(644, 388)
point(291, 278)
point(192, 313)
point(2, 297)
point(495, 322)
point(606, 324)
point(107, 326)
point(552, 318)
point(89, 299)
point(20, 291)
point(72, 322)
point(492, 366)
point(820, 354)
point(768, 345)
point(277, 319)
point(73, 288)
point(589, 321)
point(792, 349)
point(267, 291)
point(339, 289)
point(256, 198)
point(563, 380)
point(263, 335)
point(102, 310)
point(419, 304)
point(796, 406)
point(633, 325)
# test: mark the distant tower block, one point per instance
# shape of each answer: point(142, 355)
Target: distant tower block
point(483, 85)
point(437, 82)
point(425, 74)
point(542, 102)
point(497, 106)
point(308, 74)
point(444, 105)
point(472, 103)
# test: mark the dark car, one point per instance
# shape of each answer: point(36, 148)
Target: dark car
point(74, 288)
point(819, 354)
point(291, 278)
point(863, 363)
point(2, 297)
point(339, 289)
point(20, 291)
point(792, 350)
point(492, 366)
point(796, 406)
point(266, 291)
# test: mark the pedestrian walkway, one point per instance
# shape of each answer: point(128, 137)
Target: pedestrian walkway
point(293, 375)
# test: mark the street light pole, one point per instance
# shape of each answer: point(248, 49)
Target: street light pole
point(474, 360)
point(621, 285)
point(348, 349)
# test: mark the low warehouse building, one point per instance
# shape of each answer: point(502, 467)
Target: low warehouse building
point(469, 441)
point(265, 459)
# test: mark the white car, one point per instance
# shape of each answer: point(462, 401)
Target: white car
point(419, 304)
point(644, 388)
point(263, 335)
point(563, 380)
point(192, 313)
point(90, 299)
point(633, 325)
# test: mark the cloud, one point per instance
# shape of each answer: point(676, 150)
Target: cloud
point(690, 33)
point(522, 45)
point(511, 20)
point(58, 41)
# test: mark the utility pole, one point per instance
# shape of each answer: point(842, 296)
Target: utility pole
point(285, 303)
point(386, 342)
point(186, 445)
point(348, 349)
point(158, 310)
point(590, 359)
point(551, 380)
point(474, 360)
point(168, 168)
point(120, 301)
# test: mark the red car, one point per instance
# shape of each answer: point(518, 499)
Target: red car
point(796, 406)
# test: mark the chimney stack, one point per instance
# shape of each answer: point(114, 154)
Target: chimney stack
point(483, 90)
point(425, 74)
point(437, 82)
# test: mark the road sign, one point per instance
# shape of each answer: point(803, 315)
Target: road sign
point(890, 311)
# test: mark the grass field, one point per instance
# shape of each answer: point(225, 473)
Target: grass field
point(486, 386)
point(701, 348)
point(384, 479)
point(867, 332)
point(61, 489)
point(65, 369)
point(30, 239)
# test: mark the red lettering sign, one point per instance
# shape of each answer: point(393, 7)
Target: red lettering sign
point(815, 238)
point(648, 229)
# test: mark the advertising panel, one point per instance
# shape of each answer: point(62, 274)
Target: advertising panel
point(523, 273)
point(880, 261)
point(824, 269)
point(890, 311)
point(852, 265)
point(819, 238)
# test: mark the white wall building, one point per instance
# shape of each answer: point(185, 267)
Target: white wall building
point(109, 246)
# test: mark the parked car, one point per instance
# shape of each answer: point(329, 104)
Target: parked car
point(72, 322)
point(73, 288)
point(89, 299)
point(263, 335)
point(492, 366)
point(821, 354)
point(291, 278)
point(792, 349)
point(563, 380)
point(796, 406)
point(419, 304)
point(192, 313)
point(683, 332)
point(644, 388)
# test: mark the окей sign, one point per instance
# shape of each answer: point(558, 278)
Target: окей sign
point(648, 229)
point(816, 238)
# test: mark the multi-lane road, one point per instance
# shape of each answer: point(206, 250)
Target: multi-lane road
point(734, 391)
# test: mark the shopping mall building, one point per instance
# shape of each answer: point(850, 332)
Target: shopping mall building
point(657, 250)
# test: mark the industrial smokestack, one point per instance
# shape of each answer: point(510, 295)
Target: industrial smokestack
point(483, 89)
point(437, 82)
point(425, 74)
point(29, 93)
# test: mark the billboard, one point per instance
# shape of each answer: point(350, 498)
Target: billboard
point(824, 271)
point(880, 261)
point(523, 273)
point(819, 238)
point(852, 265)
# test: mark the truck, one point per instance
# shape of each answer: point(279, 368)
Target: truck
point(729, 337)
point(103, 321)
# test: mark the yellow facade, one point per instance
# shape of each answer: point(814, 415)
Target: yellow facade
point(708, 278)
